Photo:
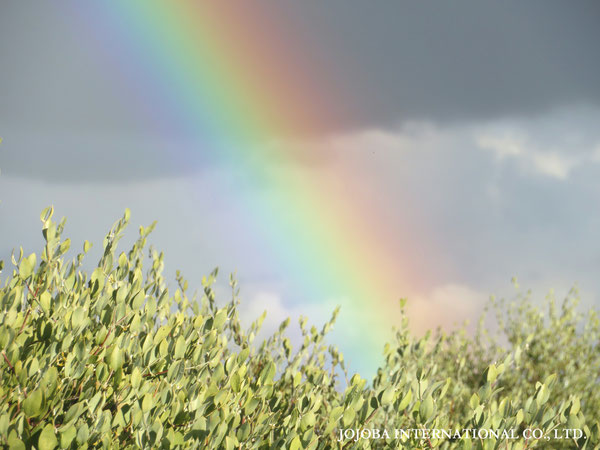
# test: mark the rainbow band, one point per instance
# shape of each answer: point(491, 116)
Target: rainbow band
point(233, 82)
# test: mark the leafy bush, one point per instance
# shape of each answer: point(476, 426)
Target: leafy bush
point(113, 359)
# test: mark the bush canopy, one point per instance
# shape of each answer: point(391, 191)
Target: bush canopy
point(113, 359)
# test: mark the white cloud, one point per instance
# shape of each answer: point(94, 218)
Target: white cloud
point(446, 305)
point(253, 305)
point(267, 301)
point(554, 145)
point(596, 154)
point(556, 164)
point(503, 147)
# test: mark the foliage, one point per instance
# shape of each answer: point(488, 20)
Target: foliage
point(114, 359)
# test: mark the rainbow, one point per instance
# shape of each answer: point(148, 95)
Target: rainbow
point(234, 80)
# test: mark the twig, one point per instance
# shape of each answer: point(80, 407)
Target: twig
point(24, 320)
point(153, 375)
point(8, 362)
point(95, 352)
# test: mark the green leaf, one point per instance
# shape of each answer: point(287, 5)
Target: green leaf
point(47, 439)
point(161, 333)
point(336, 413)
point(77, 317)
point(14, 443)
point(243, 355)
point(295, 444)
point(235, 382)
point(542, 395)
point(73, 412)
point(492, 373)
point(83, 432)
point(520, 417)
point(251, 405)
point(147, 403)
point(45, 300)
point(46, 214)
point(93, 402)
point(4, 423)
point(426, 409)
point(26, 266)
point(308, 420)
point(64, 247)
point(474, 401)
point(387, 397)
point(122, 259)
point(267, 374)
point(348, 417)
point(405, 400)
point(138, 300)
point(136, 378)
point(180, 348)
point(550, 379)
point(297, 378)
point(220, 319)
point(230, 442)
point(67, 436)
point(115, 360)
point(573, 422)
point(445, 388)
point(575, 405)
point(32, 405)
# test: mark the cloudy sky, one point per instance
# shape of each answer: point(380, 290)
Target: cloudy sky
point(470, 128)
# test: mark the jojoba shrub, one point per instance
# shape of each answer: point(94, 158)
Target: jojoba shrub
point(114, 359)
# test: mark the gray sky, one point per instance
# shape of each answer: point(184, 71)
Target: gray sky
point(483, 116)
point(392, 62)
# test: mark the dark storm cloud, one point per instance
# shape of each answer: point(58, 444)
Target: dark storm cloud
point(457, 60)
point(54, 77)
point(67, 110)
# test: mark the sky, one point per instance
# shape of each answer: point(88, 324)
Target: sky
point(338, 152)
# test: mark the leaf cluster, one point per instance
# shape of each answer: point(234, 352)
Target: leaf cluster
point(114, 358)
